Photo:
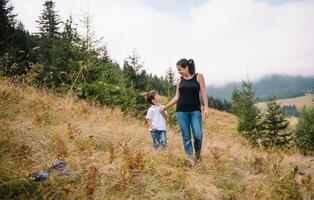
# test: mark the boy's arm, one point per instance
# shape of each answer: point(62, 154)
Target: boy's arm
point(151, 125)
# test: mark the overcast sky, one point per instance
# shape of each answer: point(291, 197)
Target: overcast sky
point(228, 39)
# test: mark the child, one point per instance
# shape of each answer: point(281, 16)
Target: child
point(156, 120)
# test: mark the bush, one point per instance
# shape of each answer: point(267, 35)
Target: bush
point(103, 93)
point(134, 102)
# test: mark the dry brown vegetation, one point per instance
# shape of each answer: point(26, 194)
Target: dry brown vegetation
point(111, 155)
point(299, 102)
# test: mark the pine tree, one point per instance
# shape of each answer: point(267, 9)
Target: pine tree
point(70, 34)
point(15, 43)
point(104, 55)
point(170, 76)
point(20, 51)
point(132, 71)
point(219, 104)
point(134, 61)
point(67, 55)
point(49, 21)
point(291, 110)
point(129, 74)
point(273, 123)
point(49, 35)
point(170, 85)
point(7, 23)
point(243, 106)
point(90, 43)
point(226, 105)
point(93, 53)
point(305, 130)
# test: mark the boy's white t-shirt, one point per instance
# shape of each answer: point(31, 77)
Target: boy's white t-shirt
point(156, 118)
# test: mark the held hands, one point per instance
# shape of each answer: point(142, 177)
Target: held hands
point(163, 112)
point(162, 109)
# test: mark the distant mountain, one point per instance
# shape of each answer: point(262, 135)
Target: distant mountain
point(282, 86)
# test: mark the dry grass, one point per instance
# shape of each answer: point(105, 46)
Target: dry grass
point(111, 156)
point(299, 102)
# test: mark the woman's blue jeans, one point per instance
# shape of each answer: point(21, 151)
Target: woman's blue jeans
point(188, 121)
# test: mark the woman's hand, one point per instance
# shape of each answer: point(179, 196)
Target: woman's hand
point(201, 81)
point(162, 109)
point(206, 113)
point(163, 112)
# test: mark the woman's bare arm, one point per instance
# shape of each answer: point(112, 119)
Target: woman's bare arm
point(175, 98)
point(204, 96)
point(164, 114)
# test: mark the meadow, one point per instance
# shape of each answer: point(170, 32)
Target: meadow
point(111, 156)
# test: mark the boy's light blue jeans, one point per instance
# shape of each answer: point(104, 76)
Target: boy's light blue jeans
point(159, 138)
point(188, 120)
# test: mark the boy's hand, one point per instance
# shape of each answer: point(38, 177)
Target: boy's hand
point(151, 125)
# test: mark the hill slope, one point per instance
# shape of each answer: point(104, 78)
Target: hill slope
point(299, 102)
point(111, 157)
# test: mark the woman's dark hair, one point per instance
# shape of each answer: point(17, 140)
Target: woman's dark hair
point(187, 63)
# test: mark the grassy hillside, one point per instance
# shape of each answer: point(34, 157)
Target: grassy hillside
point(111, 157)
point(299, 102)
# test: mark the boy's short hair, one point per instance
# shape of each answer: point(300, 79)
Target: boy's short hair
point(151, 96)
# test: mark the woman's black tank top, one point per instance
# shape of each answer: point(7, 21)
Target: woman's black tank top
point(189, 95)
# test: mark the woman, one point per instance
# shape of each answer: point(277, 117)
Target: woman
point(189, 87)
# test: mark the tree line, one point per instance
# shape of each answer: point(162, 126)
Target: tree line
point(61, 59)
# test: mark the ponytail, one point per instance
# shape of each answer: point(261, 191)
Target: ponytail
point(191, 66)
point(187, 63)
